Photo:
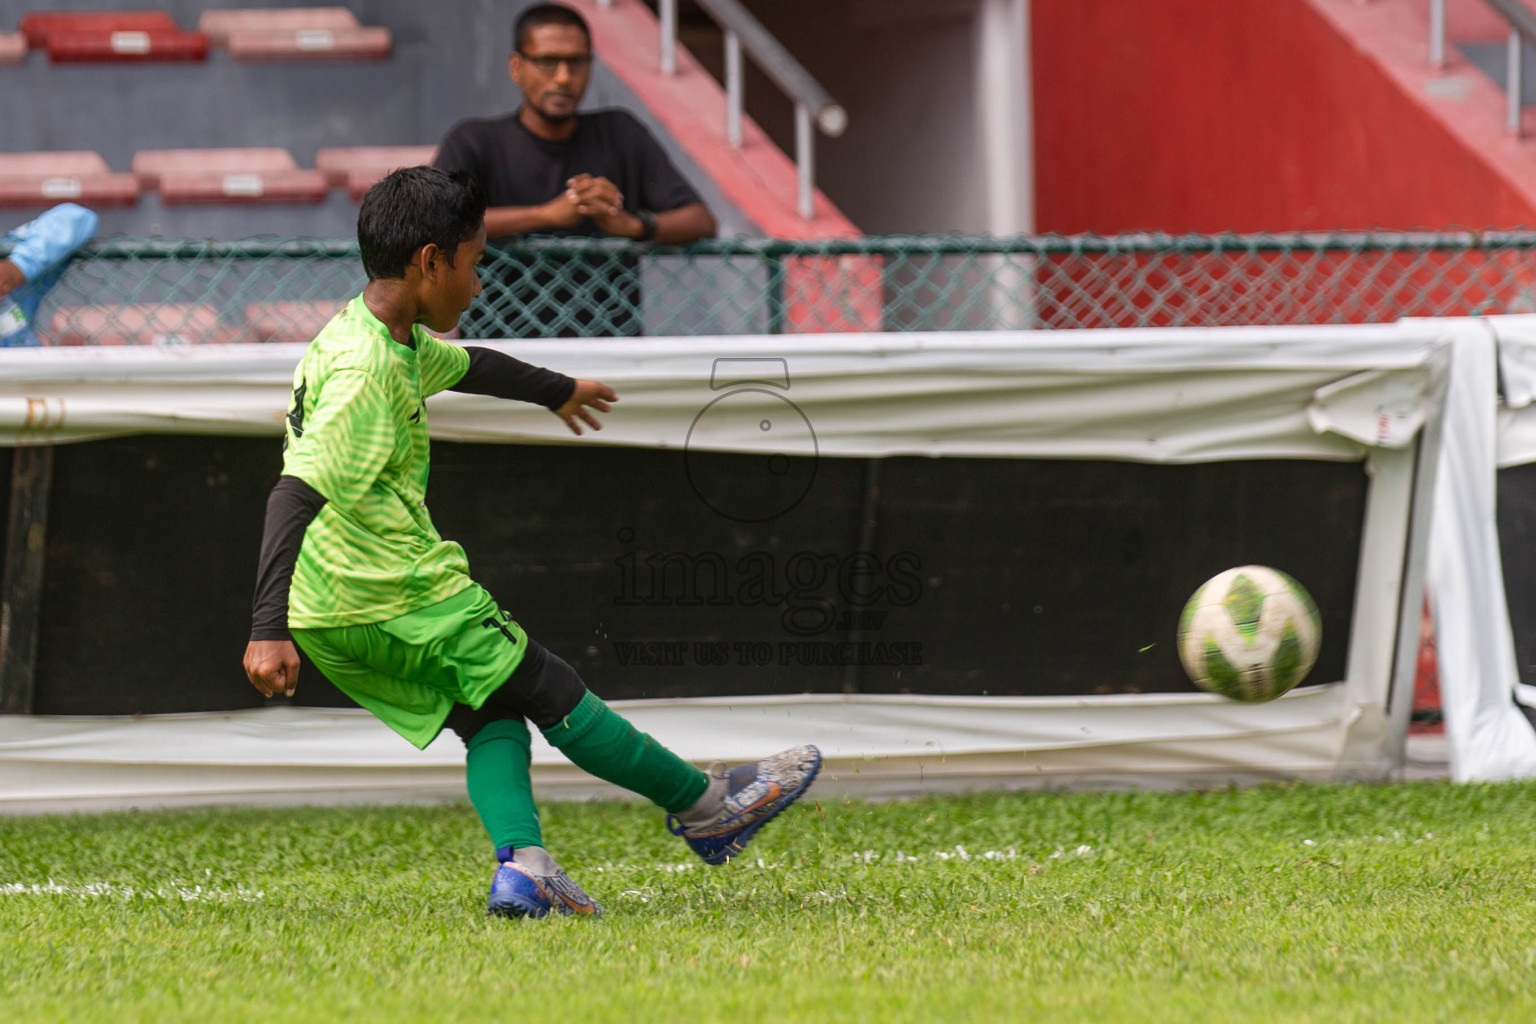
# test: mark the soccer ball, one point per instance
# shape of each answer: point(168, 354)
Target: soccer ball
point(1249, 633)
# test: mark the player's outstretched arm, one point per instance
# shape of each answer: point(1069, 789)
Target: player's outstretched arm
point(501, 376)
point(588, 396)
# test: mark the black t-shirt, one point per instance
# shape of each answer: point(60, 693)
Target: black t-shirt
point(517, 168)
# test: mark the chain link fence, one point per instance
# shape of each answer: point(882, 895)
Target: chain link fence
point(129, 291)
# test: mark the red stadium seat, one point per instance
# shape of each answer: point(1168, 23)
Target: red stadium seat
point(13, 47)
point(359, 168)
point(174, 323)
point(218, 26)
point(150, 164)
point(312, 44)
point(227, 175)
point(66, 47)
point(289, 321)
point(264, 187)
point(296, 33)
point(38, 26)
point(75, 163)
point(42, 179)
point(112, 36)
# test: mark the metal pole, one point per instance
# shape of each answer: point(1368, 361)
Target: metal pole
point(1437, 34)
point(1514, 81)
point(775, 296)
point(668, 37)
point(805, 160)
point(734, 88)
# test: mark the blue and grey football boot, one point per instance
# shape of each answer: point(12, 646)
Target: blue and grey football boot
point(742, 800)
point(530, 884)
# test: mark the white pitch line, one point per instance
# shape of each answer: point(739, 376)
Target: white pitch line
point(99, 890)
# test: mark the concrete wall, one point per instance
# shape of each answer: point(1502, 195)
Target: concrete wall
point(449, 63)
point(1211, 115)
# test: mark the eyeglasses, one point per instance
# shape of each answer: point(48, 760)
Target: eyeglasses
point(549, 65)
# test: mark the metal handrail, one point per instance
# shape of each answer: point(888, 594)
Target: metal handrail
point(777, 63)
point(1437, 34)
point(813, 104)
point(1518, 16)
point(1522, 29)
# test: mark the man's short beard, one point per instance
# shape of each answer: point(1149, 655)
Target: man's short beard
point(557, 118)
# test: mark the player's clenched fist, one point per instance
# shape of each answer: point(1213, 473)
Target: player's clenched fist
point(272, 666)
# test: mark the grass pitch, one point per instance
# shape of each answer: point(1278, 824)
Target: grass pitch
point(1297, 903)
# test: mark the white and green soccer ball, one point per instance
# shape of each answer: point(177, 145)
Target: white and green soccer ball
point(1249, 633)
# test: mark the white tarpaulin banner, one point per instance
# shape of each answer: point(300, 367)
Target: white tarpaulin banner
point(1152, 395)
point(874, 745)
point(1492, 412)
point(1488, 737)
point(1370, 393)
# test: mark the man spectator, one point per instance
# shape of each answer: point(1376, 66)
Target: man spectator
point(40, 248)
point(549, 170)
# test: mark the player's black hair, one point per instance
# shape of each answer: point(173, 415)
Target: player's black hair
point(540, 15)
point(413, 207)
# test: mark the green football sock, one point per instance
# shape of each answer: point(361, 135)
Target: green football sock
point(499, 787)
point(602, 743)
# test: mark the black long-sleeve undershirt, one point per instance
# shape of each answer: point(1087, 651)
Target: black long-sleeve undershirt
point(293, 504)
point(501, 376)
point(291, 507)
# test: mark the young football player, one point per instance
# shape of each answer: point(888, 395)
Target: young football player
point(352, 565)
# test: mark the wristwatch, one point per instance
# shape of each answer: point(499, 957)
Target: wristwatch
point(647, 225)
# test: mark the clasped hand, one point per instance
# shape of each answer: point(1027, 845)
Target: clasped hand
point(598, 198)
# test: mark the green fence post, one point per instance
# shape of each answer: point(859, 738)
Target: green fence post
point(775, 296)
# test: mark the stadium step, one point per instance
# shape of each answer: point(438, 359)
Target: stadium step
point(758, 177)
point(42, 179)
point(1452, 117)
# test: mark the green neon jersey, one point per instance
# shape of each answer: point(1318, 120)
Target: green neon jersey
point(357, 433)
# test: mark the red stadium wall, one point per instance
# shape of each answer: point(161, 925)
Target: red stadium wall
point(1259, 115)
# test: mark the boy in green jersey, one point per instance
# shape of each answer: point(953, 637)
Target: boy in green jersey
point(353, 570)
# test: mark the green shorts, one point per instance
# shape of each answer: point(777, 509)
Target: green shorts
point(410, 671)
